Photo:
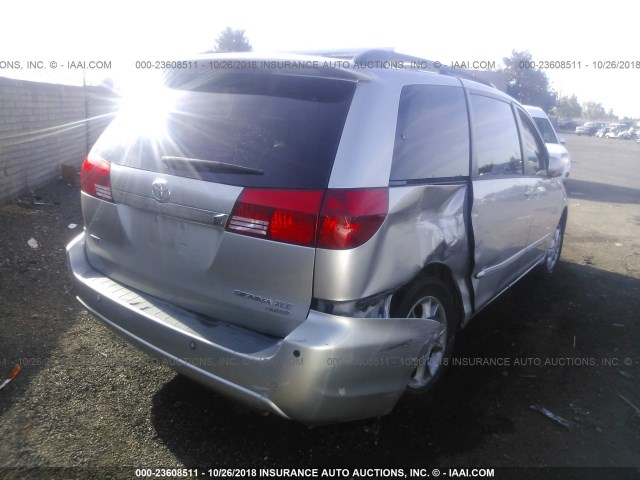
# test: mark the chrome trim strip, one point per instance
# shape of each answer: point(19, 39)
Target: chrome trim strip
point(173, 210)
point(510, 260)
point(511, 284)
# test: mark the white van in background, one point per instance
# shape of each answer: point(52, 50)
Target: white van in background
point(555, 145)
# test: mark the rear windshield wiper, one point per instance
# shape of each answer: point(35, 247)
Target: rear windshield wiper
point(185, 163)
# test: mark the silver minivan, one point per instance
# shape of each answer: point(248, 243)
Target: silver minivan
point(305, 234)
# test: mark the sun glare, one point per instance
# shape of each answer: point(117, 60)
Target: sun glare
point(145, 105)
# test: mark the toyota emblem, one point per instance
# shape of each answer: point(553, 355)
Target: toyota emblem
point(160, 190)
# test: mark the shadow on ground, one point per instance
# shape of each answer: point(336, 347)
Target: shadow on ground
point(602, 192)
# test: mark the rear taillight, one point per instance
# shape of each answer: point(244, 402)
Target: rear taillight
point(95, 177)
point(288, 216)
point(343, 219)
point(350, 218)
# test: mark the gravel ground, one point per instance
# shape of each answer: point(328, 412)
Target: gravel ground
point(86, 399)
point(74, 389)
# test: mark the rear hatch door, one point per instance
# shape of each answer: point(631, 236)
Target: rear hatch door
point(182, 156)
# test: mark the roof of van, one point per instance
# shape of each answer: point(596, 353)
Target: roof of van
point(343, 63)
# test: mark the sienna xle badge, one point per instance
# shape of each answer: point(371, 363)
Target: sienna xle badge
point(308, 241)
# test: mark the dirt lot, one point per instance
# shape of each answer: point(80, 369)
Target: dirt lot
point(86, 399)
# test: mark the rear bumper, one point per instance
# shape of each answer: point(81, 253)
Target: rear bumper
point(329, 369)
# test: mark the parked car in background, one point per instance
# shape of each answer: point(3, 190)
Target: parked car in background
point(555, 145)
point(589, 128)
point(568, 125)
point(308, 240)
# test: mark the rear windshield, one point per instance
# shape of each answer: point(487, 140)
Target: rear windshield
point(245, 129)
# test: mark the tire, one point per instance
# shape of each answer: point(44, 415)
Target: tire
point(552, 255)
point(429, 298)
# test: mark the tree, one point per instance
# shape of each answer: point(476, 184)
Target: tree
point(528, 85)
point(594, 111)
point(568, 107)
point(232, 41)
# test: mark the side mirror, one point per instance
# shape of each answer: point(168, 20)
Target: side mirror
point(563, 141)
point(555, 167)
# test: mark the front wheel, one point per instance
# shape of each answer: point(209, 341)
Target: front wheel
point(429, 298)
point(552, 255)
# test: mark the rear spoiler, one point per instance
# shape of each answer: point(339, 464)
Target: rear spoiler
point(288, 64)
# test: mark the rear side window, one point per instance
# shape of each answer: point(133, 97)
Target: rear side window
point(432, 134)
point(497, 145)
point(245, 129)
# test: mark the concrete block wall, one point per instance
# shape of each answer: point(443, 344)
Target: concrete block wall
point(43, 126)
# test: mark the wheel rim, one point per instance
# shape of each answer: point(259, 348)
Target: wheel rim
point(554, 250)
point(429, 364)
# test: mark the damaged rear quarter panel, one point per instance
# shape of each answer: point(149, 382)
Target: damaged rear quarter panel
point(425, 225)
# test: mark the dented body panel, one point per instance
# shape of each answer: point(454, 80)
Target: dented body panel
point(425, 226)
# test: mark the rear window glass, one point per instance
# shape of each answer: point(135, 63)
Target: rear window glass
point(245, 129)
point(432, 134)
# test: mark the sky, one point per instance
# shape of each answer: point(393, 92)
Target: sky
point(122, 33)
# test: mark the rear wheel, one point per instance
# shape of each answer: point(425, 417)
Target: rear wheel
point(429, 298)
